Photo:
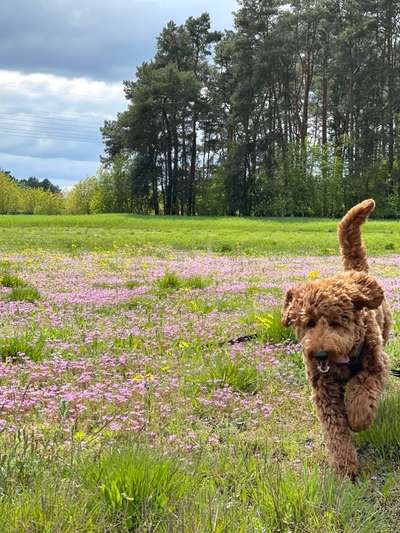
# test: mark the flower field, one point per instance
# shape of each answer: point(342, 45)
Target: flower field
point(122, 407)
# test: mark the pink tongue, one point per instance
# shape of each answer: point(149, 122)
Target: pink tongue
point(342, 360)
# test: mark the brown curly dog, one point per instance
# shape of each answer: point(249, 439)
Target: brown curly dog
point(343, 324)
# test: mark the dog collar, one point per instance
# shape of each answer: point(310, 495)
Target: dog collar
point(355, 354)
point(354, 363)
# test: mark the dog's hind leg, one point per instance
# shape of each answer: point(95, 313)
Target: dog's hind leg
point(349, 234)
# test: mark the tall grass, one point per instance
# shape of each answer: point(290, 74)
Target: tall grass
point(142, 488)
point(171, 280)
point(27, 294)
point(384, 434)
point(9, 280)
point(307, 501)
point(130, 488)
point(24, 346)
point(197, 282)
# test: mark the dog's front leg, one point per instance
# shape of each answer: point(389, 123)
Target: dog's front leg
point(328, 397)
point(362, 397)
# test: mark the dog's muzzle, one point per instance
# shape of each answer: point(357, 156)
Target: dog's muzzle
point(322, 361)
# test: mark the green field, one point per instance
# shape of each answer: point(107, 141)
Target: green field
point(227, 235)
point(121, 409)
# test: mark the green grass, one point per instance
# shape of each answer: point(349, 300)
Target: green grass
point(251, 469)
point(384, 435)
point(8, 280)
point(236, 373)
point(197, 282)
point(27, 294)
point(14, 348)
point(141, 488)
point(132, 284)
point(269, 326)
point(170, 280)
point(5, 265)
point(205, 306)
point(133, 489)
point(152, 235)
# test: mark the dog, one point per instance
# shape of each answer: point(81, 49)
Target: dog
point(343, 324)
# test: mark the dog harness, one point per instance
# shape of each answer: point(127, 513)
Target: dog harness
point(355, 363)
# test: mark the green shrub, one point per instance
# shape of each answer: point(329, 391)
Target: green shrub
point(236, 373)
point(5, 265)
point(197, 282)
point(223, 248)
point(8, 280)
point(28, 294)
point(14, 348)
point(170, 280)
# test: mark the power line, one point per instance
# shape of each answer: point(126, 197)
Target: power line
point(54, 123)
point(50, 128)
point(41, 114)
point(50, 131)
point(27, 117)
point(39, 136)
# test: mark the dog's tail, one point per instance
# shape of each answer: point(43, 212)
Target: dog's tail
point(349, 233)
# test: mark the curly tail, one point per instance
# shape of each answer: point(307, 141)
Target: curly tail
point(349, 233)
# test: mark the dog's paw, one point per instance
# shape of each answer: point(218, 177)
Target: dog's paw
point(360, 414)
point(348, 469)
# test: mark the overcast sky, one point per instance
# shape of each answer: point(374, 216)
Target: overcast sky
point(61, 67)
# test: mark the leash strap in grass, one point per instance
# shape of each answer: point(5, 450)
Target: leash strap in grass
point(244, 338)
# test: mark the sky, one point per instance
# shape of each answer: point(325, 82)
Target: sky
point(61, 67)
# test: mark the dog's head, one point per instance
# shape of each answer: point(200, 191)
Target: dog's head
point(326, 316)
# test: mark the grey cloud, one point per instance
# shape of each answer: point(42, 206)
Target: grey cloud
point(68, 39)
point(44, 116)
point(95, 38)
point(50, 148)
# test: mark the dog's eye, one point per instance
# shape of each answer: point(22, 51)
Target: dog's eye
point(334, 324)
point(311, 324)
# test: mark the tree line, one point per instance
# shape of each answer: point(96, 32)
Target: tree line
point(29, 196)
point(295, 111)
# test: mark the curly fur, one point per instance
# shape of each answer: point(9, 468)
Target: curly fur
point(338, 319)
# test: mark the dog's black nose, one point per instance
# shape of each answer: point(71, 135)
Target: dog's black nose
point(321, 355)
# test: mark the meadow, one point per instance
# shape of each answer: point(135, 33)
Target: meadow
point(153, 236)
point(123, 409)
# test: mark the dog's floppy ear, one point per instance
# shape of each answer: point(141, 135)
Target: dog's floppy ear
point(365, 291)
point(287, 317)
